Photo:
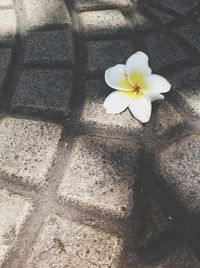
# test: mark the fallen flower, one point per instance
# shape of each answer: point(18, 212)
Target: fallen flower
point(136, 87)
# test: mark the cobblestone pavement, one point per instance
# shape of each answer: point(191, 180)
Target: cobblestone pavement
point(78, 187)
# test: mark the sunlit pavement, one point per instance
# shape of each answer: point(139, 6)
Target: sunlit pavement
point(79, 187)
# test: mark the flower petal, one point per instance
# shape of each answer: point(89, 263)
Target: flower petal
point(155, 96)
point(141, 109)
point(137, 67)
point(116, 78)
point(156, 84)
point(117, 102)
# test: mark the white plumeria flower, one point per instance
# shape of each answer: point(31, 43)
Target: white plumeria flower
point(136, 87)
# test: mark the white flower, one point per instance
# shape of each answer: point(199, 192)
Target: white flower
point(136, 87)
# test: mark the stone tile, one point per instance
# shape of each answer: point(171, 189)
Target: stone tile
point(14, 210)
point(163, 51)
point(6, 3)
point(28, 150)
point(7, 26)
point(5, 57)
point(167, 118)
point(182, 257)
point(101, 175)
point(43, 90)
point(191, 33)
point(62, 243)
point(153, 223)
point(179, 167)
point(49, 47)
point(83, 5)
point(186, 86)
point(105, 54)
point(138, 21)
point(94, 113)
point(103, 22)
point(46, 12)
point(180, 6)
point(162, 16)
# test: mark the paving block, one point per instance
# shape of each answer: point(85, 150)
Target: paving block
point(138, 21)
point(101, 175)
point(180, 170)
point(46, 12)
point(105, 54)
point(164, 17)
point(182, 257)
point(191, 33)
point(167, 118)
point(43, 90)
point(49, 47)
point(103, 22)
point(63, 243)
point(7, 26)
point(6, 3)
point(153, 223)
point(27, 151)
point(163, 51)
point(5, 57)
point(93, 112)
point(180, 6)
point(14, 209)
point(186, 87)
point(83, 5)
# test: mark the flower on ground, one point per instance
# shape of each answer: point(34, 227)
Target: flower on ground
point(136, 87)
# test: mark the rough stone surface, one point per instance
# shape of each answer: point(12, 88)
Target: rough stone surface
point(182, 257)
point(49, 47)
point(5, 56)
point(103, 22)
point(83, 5)
point(162, 16)
point(46, 12)
point(62, 243)
point(14, 210)
point(188, 89)
point(93, 111)
point(191, 33)
point(28, 150)
point(7, 26)
point(105, 54)
point(179, 166)
point(180, 6)
point(138, 21)
point(43, 90)
point(167, 118)
point(6, 3)
point(101, 176)
point(163, 51)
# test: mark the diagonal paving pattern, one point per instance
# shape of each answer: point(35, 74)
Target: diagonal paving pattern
point(79, 187)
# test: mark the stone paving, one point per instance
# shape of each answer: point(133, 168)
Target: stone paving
point(79, 187)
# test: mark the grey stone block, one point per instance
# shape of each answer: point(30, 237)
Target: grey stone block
point(101, 176)
point(180, 6)
point(180, 169)
point(103, 22)
point(5, 57)
point(27, 150)
point(43, 90)
point(138, 21)
point(63, 243)
point(14, 209)
point(163, 51)
point(7, 26)
point(46, 12)
point(49, 47)
point(186, 87)
point(162, 16)
point(94, 113)
point(83, 5)
point(105, 54)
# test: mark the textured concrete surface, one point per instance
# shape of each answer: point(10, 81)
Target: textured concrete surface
point(79, 187)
